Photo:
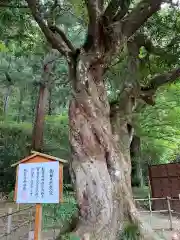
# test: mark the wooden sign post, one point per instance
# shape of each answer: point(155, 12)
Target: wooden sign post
point(38, 222)
point(39, 179)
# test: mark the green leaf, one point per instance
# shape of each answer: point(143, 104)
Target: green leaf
point(73, 237)
point(142, 52)
point(3, 47)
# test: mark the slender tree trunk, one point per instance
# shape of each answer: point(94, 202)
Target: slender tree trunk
point(34, 97)
point(1, 104)
point(50, 102)
point(21, 97)
point(6, 100)
point(140, 172)
point(42, 102)
point(37, 138)
point(136, 158)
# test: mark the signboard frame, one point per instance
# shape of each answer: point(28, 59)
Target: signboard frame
point(41, 158)
point(32, 179)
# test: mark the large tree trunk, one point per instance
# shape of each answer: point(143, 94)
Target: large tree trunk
point(98, 166)
point(92, 151)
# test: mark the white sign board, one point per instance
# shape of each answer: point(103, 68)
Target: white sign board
point(38, 183)
point(31, 235)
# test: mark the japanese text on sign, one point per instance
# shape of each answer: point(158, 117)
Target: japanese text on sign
point(38, 183)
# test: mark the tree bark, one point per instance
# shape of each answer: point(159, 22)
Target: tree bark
point(6, 100)
point(122, 109)
point(121, 113)
point(98, 167)
point(135, 150)
point(92, 151)
point(50, 102)
point(121, 121)
point(21, 97)
point(42, 102)
point(37, 136)
point(34, 97)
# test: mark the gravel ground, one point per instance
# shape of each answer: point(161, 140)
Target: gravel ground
point(161, 224)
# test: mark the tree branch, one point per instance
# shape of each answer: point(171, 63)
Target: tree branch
point(6, 5)
point(139, 15)
point(142, 40)
point(51, 18)
point(63, 36)
point(169, 56)
point(56, 41)
point(8, 78)
point(94, 8)
point(162, 79)
point(147, 93)
point(117, 9)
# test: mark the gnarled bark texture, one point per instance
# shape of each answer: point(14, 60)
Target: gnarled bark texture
point(92, 150)
point(98, 165)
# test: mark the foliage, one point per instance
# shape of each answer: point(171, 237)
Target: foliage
point(56, 136)
point(15, 142)
point(14, 139)
point(158, 127)
point(11, 196)
point(60, 215)
point(130, 232)
point(141, 192)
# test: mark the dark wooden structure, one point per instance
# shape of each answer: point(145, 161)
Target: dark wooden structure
point(165, 181)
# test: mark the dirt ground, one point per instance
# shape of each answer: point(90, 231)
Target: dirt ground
point(159, 222)
point(24, 218)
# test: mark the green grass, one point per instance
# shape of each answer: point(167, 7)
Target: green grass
point(130, 232)
point(56, 215)
point(141, 192)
